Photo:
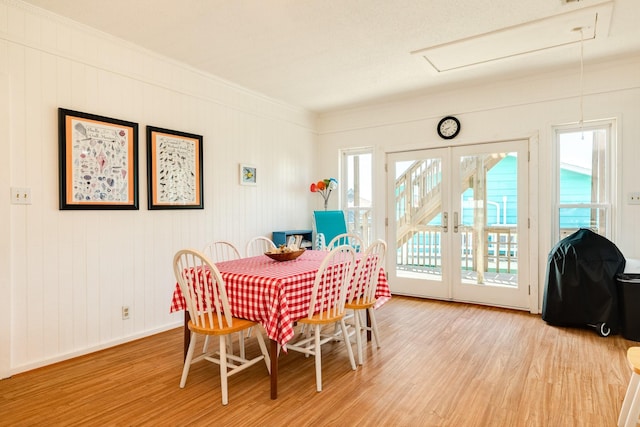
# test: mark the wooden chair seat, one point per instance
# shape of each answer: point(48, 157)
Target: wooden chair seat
point(207, 328)
point(358, 305)
point(324, 318)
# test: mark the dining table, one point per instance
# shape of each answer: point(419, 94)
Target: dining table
point(274, 294)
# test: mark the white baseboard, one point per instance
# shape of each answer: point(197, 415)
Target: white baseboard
point(66, 356)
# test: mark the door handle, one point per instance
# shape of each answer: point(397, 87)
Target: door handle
point(455, 222)
point(445, 222)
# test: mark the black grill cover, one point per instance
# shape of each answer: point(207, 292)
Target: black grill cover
point(581, 288)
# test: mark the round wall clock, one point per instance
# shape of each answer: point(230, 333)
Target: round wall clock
point(449, 127)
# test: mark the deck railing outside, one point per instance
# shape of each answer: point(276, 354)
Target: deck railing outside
point(423, 249)
point(359, 222)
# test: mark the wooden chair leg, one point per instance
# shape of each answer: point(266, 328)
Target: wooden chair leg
point(630, 410)
point(241, 344)
point(359, 329)
point(223, 370)
point(347, 342)
point(634, 408)
point(187, 360)
point(374, 326)
point(318, 358)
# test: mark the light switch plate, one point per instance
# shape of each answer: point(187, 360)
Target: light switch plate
point(20, 196)
point(634, 198)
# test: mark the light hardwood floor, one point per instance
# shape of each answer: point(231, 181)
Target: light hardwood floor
point(441, 364)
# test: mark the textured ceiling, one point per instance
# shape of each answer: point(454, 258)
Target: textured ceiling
point(326, 55)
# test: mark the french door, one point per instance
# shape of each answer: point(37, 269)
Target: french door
point(458, 227)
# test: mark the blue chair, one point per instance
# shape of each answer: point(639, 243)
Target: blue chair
point(329, 224)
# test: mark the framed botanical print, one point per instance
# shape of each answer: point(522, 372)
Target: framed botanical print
point(98, 161)
point(174, 169)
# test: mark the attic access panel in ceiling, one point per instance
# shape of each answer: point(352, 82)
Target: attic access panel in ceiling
point(534, 36)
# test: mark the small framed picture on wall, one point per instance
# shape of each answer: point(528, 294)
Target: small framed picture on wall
point(248, 174)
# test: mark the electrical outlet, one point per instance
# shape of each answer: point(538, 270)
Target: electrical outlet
point(634, 198)
point(125, 312)
point(20, 196)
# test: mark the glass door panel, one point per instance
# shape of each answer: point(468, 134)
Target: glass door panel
point(417, 200)
point(488, 223)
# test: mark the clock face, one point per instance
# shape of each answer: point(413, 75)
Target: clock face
point(449, 127)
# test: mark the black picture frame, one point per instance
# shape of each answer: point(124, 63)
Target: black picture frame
point(174, 169)
point(98, 162)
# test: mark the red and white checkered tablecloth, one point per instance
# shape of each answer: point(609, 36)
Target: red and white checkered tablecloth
point(275, 294)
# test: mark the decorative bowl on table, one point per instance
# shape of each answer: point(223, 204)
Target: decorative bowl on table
point(284, 254)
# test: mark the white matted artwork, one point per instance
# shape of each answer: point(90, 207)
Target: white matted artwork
point(248, 174)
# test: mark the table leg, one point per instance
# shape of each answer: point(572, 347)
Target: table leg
point(274, 369)
point(187, 333)
point(368, 325)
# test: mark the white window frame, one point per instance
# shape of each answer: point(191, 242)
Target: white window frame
point(344, 187)
point(611, 175)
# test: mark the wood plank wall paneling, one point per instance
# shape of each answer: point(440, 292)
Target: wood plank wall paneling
point(72, 271)
point(440, 364)
point(5, 222)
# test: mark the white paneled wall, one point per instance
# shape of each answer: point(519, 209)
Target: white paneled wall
point(70, 272)
point(5, 232)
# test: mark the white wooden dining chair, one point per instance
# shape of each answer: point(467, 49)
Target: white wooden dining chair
point(327, 307)
point(204, 291)
point(630, 410)
point(220, 251)
point(350, 239)
point(258, 246)
point(362, 295)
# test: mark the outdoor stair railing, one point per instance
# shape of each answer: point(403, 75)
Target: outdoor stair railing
point(418, 202)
